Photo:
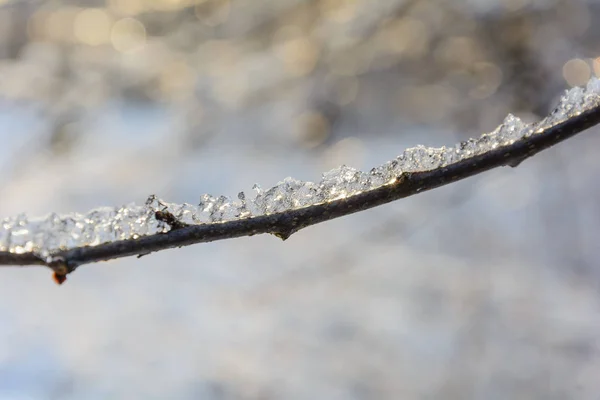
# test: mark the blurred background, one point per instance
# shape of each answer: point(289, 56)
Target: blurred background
point(485, 289)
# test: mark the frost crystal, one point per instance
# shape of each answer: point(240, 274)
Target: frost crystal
point(572, 103)
point(340, 183)
point(420, 158)
point(55, 233)
point(288, 194)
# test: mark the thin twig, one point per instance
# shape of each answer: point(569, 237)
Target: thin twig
point(286, 223)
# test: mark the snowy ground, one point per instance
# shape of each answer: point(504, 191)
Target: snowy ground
point(487, 288)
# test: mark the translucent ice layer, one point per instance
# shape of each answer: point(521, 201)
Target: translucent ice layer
point(54, 233)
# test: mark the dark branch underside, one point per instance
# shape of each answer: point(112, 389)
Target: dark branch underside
point(286, 223)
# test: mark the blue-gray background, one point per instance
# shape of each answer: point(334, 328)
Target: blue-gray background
point(486, 289)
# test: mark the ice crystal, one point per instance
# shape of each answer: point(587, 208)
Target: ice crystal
point(340, 183)
point(54, 233)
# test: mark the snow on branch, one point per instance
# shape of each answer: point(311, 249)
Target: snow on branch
point(64, 242)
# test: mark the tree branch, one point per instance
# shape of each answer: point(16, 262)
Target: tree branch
point(578, 111)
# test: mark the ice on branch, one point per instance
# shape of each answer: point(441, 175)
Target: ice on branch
point(55, 233)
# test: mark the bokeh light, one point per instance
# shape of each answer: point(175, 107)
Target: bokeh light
point(298, 53)
point(576, 72)
point(312, 129)
point(92, 26)
point(128, 34)
point(127, 7)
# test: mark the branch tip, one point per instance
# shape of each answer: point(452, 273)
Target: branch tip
point(58, 278)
